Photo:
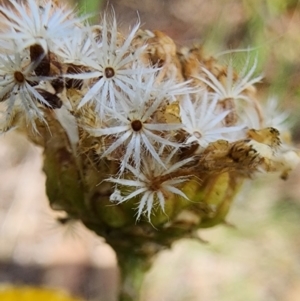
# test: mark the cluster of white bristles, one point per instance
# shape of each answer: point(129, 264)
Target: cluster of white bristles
point(144, 115)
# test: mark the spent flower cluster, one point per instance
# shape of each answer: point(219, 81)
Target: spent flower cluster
point(161, 116)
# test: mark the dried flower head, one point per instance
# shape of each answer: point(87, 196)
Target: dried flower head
point(202, 120)
point(135, 127)
point(20, 89)
point(138, 121)
point(153, 184)
point(112, 68)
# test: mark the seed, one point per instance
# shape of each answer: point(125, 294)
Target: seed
point(19, 77)
point(136, 125)
point(109, 72)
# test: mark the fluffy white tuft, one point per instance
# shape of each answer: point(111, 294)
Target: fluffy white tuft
point(152, 185)
point(202, 121)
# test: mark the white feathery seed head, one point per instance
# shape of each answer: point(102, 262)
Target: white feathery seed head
point(36, 22)
point(152, 184)
point(112, 70)
point(202, 121)
point(17, 87)
point(232, 88)
point(134, 127)
point(77, 48)
point(131, 113)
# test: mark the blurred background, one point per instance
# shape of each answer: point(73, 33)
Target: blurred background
point(255, 257)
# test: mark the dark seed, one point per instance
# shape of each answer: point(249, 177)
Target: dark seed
point(109, 72)
point(53, 100)
point(38, 55)
point(19, 77)
point(136, 125)
point(58, 84)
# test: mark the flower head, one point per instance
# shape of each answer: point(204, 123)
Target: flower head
point(112, 70)
point(202, 121)
point(134, 127)
point(18, 87)
point(232, 87)
point(37, 22)
point(271, 116)
point(77, 48)
point(274, 117)
point(153, 184)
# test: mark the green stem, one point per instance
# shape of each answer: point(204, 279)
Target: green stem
point(133, 269)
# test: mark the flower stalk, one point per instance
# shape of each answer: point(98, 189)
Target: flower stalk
point(133, 270)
